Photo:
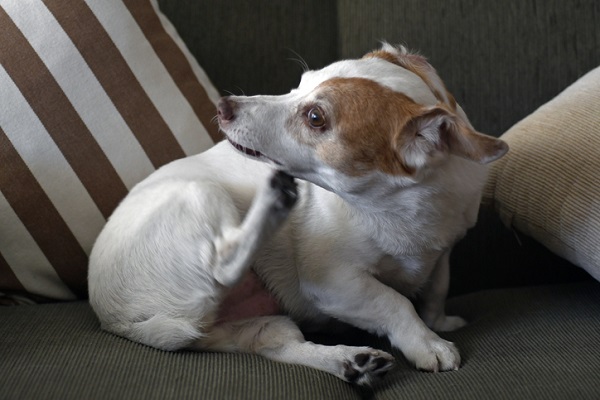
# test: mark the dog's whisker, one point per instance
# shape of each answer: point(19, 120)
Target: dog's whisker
point(241, 90)
point(299, 60)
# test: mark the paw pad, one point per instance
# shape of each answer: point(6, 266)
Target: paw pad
point(368, 367)
point(286, 185)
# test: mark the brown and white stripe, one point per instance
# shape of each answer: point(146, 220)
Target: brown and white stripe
point(96, 95)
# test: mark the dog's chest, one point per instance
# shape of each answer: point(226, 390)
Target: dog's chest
point(406, 274)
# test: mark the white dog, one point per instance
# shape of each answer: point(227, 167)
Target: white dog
point(389, 178)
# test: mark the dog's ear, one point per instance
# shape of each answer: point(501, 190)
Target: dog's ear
point(435, 131)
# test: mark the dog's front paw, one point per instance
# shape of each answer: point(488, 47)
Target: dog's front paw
point(367, 366)
point(434, 355)
point(286, 191)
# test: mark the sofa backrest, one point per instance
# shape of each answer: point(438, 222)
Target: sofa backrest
point(501, 59)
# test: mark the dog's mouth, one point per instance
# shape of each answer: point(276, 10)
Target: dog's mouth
point(245, 150)
point(250, 152)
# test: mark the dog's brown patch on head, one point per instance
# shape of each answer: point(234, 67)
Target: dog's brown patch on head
point(385, 55)
point(370, 127)
point(367, 119)
point(418, 65)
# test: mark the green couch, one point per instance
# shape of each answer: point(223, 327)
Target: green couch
point(534, 318)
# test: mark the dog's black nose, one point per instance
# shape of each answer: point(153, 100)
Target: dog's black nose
point(225, 108)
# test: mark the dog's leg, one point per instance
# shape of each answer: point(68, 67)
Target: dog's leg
point(237, 246)
point(433, 299)
point(363, 301)
point(278, 338)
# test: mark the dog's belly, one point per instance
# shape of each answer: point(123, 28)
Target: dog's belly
point(247, 299)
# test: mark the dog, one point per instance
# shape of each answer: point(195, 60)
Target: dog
point(339, 201)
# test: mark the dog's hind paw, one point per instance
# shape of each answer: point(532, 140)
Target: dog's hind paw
point(287, 190)
point(367, 367)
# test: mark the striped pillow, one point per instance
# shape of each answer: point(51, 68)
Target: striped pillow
point(94, 96)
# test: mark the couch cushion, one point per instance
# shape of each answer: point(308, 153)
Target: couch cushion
point(548, 185)
point(526, 343)
point(258, 46)
point(58, 351)
point(95, 96)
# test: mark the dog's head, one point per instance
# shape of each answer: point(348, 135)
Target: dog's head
point(387, 113)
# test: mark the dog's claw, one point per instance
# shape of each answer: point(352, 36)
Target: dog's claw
point(437, 355)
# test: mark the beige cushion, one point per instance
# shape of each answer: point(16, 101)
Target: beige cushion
point(548, 185)
point(95, 95)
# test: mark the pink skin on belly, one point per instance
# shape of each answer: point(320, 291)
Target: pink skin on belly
point(247, 299)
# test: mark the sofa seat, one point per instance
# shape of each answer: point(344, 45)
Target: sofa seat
point(503, 356)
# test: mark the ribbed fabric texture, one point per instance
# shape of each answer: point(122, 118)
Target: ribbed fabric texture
point(57, 351)
point(548, 186)
point(533, 343)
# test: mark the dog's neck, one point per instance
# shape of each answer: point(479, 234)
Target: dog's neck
point(392, 217)
point(398, 223)
point(404, 218)
point(401, 215)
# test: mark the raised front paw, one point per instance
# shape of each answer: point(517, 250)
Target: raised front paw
point(286, 190)
point(434, 354)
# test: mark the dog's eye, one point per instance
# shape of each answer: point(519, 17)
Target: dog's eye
point(316, 119)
